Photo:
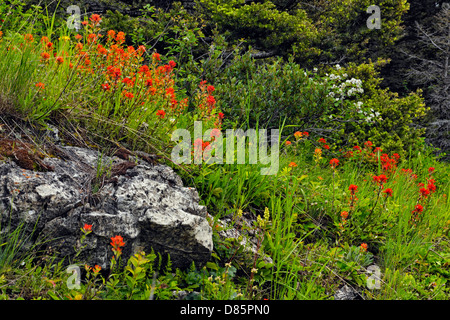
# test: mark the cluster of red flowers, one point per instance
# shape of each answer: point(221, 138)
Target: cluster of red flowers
point(28, 37)
point(388, 164)
point(128, 94)
point(105, 86)
point(199, 147)
point(388, 192)
point(344, 216)
point(415, 214)
point(410, 173)
point(215, 133)
point(59, 60)
point(147, 89)
point(47, 47)
point(363, 247)
point(207, 104)
point(113, 72)
point(96, 269)
point(200, 144)
point(380, 180)
point(118, 64)
point(117, 243)
point(152, 85)
point(353, 189)
point(323, 141)
point(431, 185)
point(424, 194)
point(298, 136)
point(161, 114)
point(334, 163)
point(95, 19)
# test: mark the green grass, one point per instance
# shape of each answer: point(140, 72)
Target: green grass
point(302, 211)
point(305, 249)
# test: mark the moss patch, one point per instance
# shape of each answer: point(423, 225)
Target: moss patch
point(23, 154)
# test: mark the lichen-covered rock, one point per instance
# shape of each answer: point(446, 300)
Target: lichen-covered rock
point(146, 204)
point(246, 237)
point(346, 292)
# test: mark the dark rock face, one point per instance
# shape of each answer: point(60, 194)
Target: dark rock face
point(130, 7)
point(145, 204)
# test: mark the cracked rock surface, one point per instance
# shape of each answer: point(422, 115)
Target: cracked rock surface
point(144, 203)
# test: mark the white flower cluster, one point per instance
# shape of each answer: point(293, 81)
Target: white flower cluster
point(335, 77)
point(356, 82)
point(369, 116)
point(352, 91)
point(346, 89)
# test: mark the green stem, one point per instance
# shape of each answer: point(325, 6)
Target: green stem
point(369, 217)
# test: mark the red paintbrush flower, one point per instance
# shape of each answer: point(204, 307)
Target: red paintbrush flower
point(388, 192)
point(353, 188)
point(334, 163)
point(161, 114)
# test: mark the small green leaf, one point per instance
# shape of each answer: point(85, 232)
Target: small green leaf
point(216, 192)
point(212, 265)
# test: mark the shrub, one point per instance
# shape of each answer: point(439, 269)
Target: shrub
point(345, 105)
point(261, 23)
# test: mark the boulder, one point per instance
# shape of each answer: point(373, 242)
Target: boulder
point(347, 292)
point(145, 203)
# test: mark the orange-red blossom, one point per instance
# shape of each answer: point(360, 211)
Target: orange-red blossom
point(334, 163)
point(117, 243)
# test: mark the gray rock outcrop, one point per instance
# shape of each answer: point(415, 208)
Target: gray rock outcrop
point(346, 292)
point(144, 203)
